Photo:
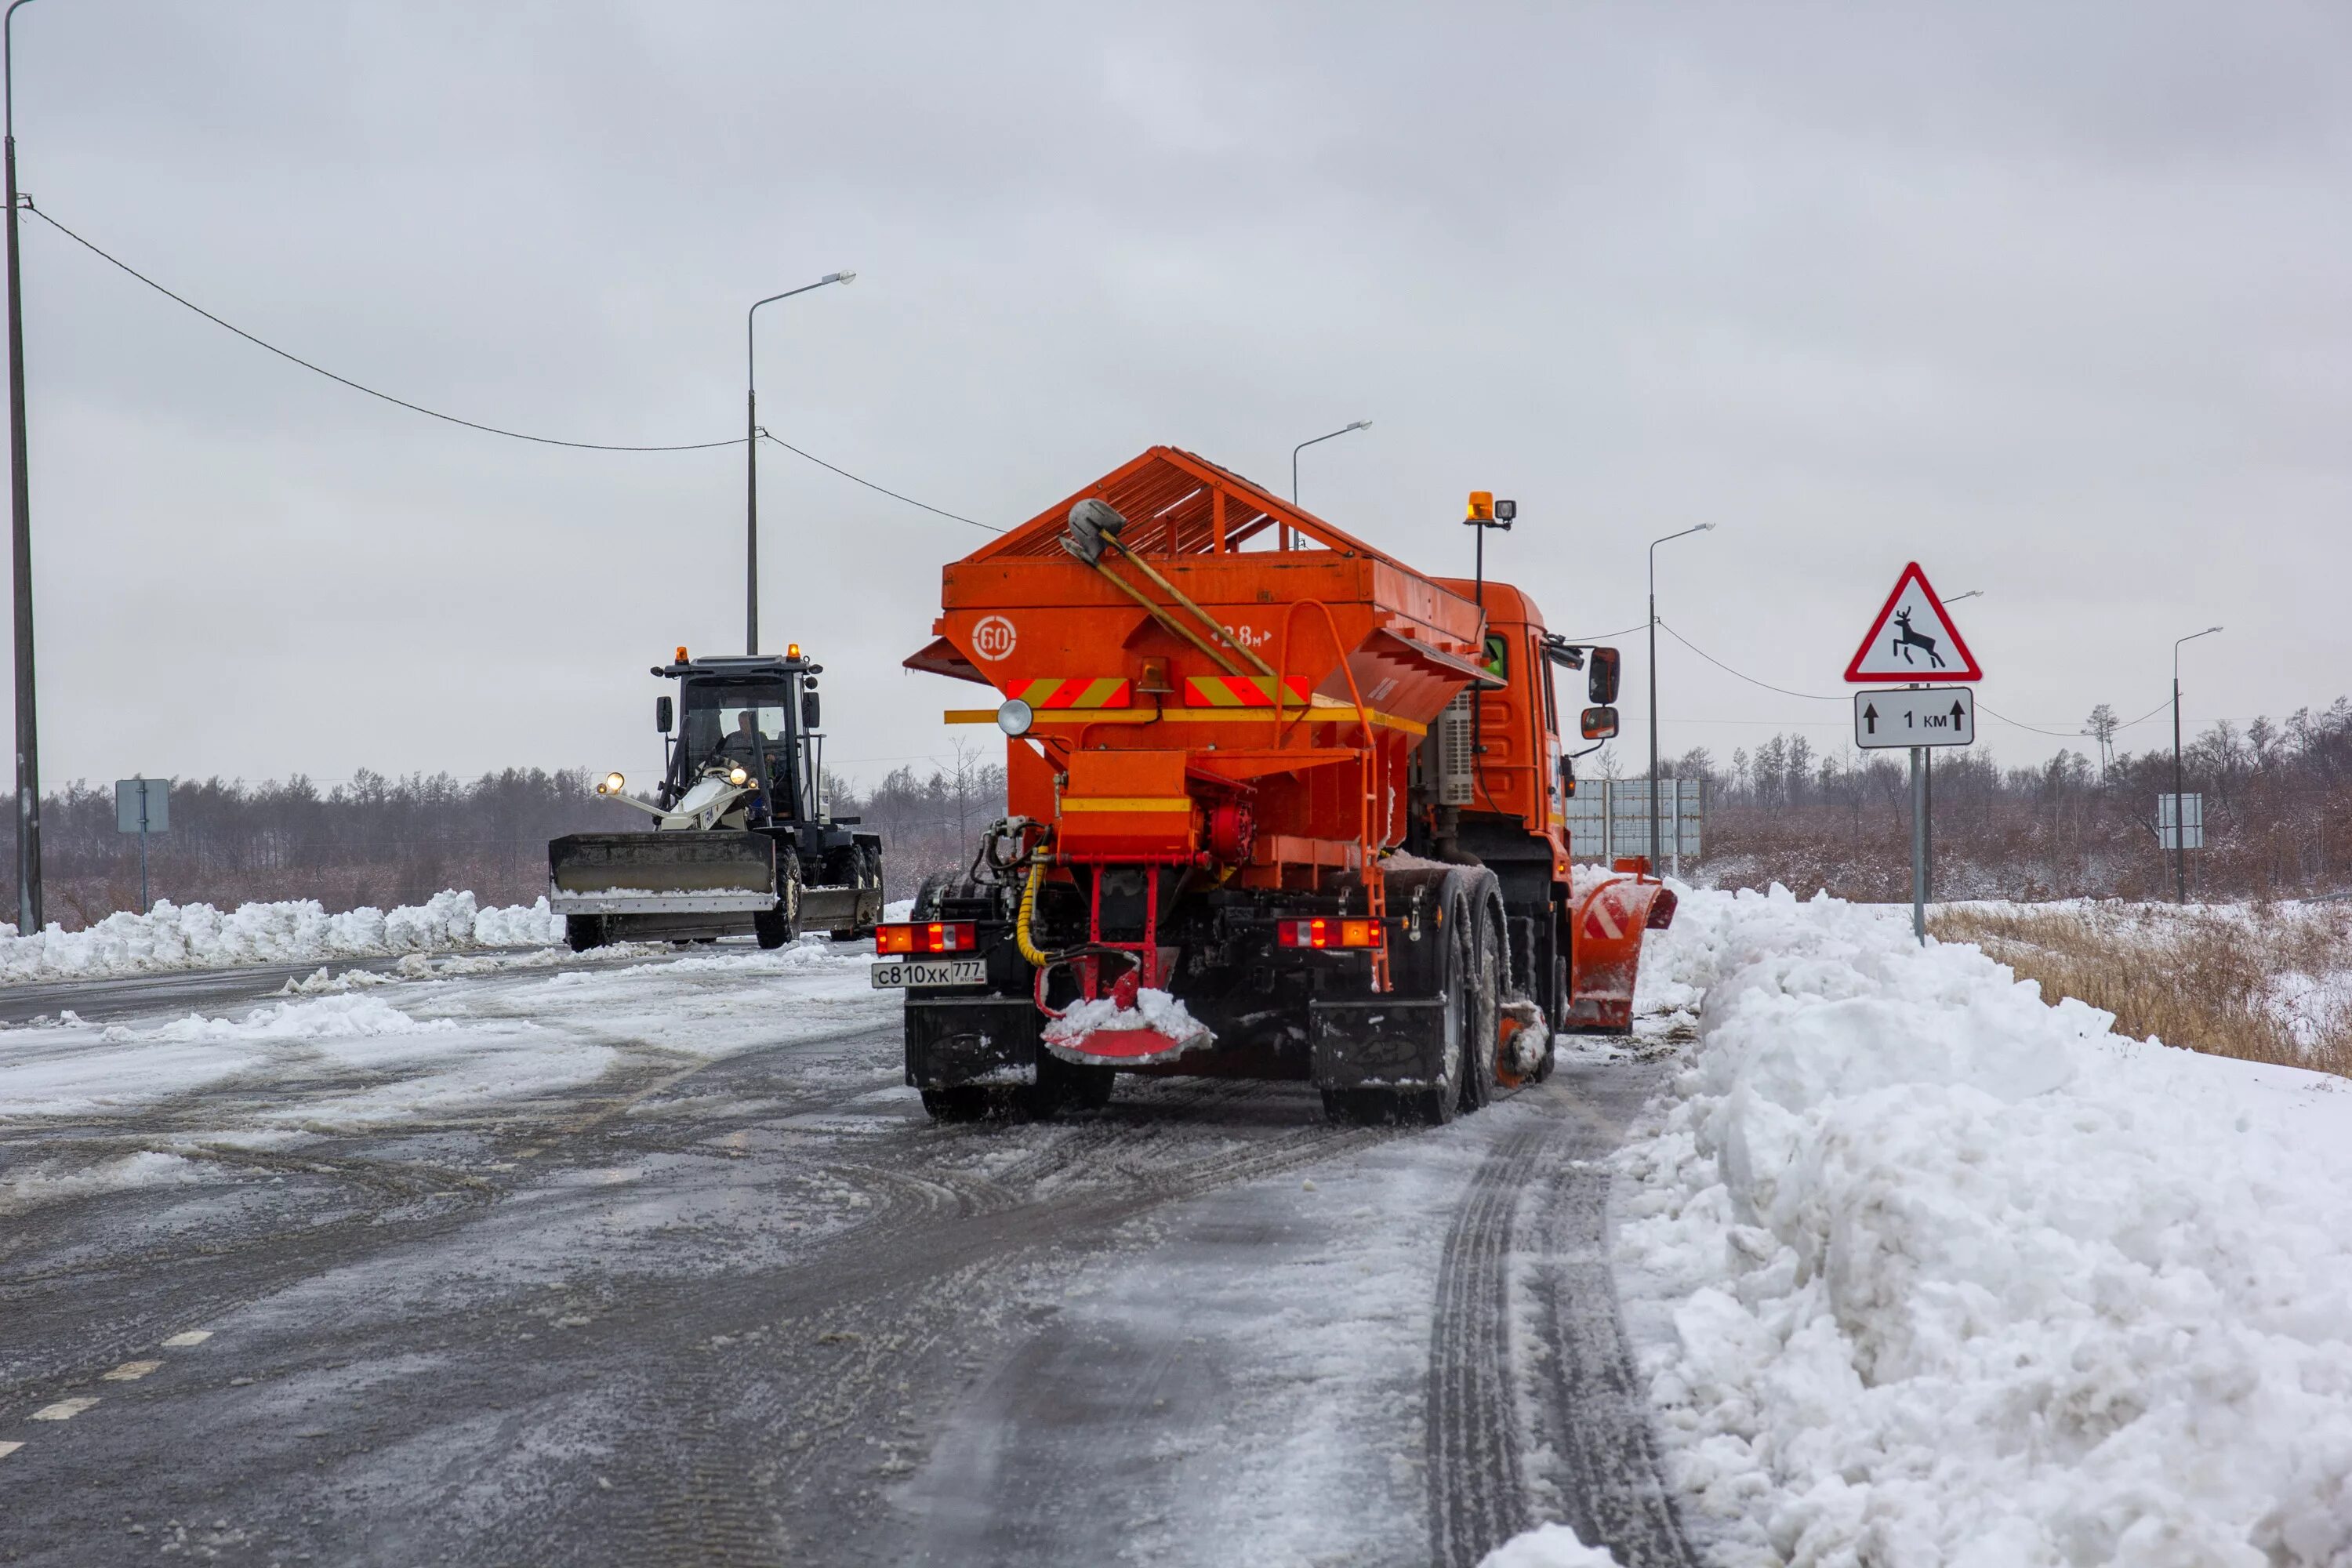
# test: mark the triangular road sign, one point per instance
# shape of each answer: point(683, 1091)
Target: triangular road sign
point(1913, 638)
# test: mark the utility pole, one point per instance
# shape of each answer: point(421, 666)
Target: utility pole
point(20, 534)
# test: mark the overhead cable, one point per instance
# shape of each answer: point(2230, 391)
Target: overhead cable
point(475, 425)
point(1808, 696)
point(356, 386)
point(870, 485)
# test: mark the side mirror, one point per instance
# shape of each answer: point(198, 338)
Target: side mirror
point(662, 714)
point(1601, 683)
point(1600, 723)
point(810, 711)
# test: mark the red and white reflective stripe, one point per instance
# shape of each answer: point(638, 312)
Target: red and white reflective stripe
point(1324, 933)
point(1046, 693)
point(932, 936)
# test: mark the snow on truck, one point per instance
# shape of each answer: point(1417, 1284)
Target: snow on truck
point(741, 840)
point(1280, 806)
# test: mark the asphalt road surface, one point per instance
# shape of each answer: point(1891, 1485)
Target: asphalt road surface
point(654, 1261)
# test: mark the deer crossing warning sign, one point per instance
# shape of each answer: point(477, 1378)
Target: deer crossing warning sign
point(1913, 638)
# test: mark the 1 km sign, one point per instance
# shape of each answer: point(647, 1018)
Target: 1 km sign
point(1916, 716)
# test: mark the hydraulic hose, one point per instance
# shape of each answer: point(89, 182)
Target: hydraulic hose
point(1028, 912)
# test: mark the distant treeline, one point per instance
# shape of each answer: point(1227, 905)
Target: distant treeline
point(2278, 824)
point(2278, 815)
point(385, 841)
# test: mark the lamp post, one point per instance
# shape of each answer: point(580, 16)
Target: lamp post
point(751, 456)
point(20, 532)
point(1685, 533)
point(1342, 430)
point(2179, 804)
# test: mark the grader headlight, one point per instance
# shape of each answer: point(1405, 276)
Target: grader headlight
point(737, 777)
point(611, 783)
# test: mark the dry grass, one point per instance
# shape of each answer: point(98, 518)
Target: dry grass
point(2263, 982)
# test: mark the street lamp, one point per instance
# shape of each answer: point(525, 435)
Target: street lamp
point(20, 532)
point(751, 456)
point(1701, 528)
point(1342, 430)
point(2180, 811)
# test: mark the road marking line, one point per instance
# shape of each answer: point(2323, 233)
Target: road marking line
point(192, 1337)
point(8, 1448)
point(63, 1410)
point(131, 1372)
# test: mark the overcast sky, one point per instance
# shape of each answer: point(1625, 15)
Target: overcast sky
point(2052, 297)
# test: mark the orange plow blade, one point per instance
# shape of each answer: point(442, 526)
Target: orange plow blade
point(1606, 951)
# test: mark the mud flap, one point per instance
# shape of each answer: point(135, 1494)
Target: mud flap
point(1605, 952)
point(953, 1040)
point(1378, 1042)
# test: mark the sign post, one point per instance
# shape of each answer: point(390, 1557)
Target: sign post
point(142, 805)
point(1913, 639)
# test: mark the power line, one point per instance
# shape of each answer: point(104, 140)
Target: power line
point(1808, 696)
point(347, 381)
point(870, 485)
point(1814, 697)
point(1604, 636)
point(475, 425)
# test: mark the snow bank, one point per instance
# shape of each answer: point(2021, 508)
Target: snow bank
point(48, 1182)
point(1949, 1276)
point(198, 936)
point(1547, 1546)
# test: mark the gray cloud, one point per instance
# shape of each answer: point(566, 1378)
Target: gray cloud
point(2049, 298)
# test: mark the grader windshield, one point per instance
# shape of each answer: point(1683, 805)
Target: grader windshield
point(747, 722)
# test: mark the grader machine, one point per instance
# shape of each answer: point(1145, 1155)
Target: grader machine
point(741, 841)
point(1280, 806)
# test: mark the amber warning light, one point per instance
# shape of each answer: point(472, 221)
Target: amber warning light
point(932, 936)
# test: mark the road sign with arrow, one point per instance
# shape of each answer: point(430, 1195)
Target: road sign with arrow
point(1913, 638)
point(1916, 716)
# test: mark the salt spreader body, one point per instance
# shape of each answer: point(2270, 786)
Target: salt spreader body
point(1279, 807)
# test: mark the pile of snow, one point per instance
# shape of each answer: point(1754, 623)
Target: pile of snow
point(1941, 1274)
point(1547, 1546)
point(1153, 1009)
point(198, 936)
point(51, 1183)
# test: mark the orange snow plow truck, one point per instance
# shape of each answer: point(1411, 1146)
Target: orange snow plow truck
point(1280, 806)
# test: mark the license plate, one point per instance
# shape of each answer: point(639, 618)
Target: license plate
point(930, 971)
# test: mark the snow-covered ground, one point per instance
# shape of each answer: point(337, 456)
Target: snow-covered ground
point(1928, 1272)
point(198, 936)
point(440, 1040)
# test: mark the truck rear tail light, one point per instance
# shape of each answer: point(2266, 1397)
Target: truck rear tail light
point(928, 936)
point(1330, 933)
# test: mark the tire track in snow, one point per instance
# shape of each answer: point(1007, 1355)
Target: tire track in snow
point(1476, 1500)
point(1567, 1438)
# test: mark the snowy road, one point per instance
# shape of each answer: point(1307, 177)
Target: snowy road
point(537, 1260)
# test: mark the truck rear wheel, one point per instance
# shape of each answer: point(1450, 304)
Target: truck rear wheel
point(582, 932)
point(959, 1102)
point(1067, 1085)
